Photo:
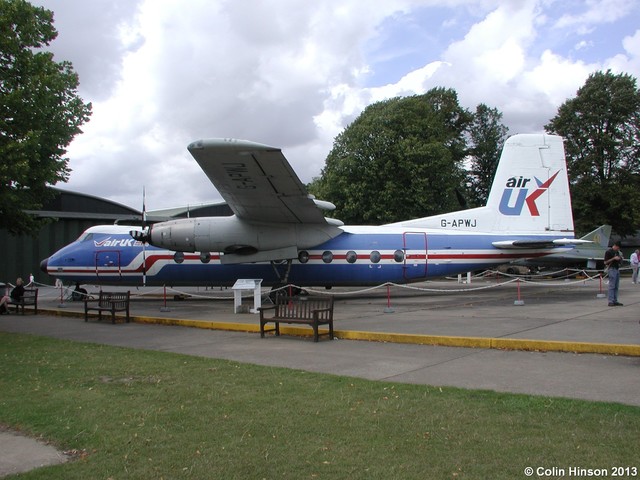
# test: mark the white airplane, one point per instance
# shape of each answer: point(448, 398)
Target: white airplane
point(279, 234)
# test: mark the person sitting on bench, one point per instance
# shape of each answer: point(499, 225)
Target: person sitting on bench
point(5, 300)
point(18, 292)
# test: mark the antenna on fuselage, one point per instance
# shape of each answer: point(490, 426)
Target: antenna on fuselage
point(143, 236)
point(144, 244)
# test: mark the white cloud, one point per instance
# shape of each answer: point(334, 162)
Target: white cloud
point(596, 12)
point(556, 76)
point(163, 73)
point(629, 61)
point(581, 45)
point(631, 45)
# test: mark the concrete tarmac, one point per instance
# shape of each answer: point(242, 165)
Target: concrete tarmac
point(507, 336)
point(498, 344)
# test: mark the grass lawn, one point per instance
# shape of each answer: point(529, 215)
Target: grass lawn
point(153, 415)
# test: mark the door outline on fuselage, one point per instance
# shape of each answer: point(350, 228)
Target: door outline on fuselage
point(105, 264)
point(415, 264)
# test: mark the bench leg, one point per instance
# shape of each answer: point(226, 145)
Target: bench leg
point(264, 323)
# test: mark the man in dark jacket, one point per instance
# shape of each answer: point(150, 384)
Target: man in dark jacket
point(612, 260)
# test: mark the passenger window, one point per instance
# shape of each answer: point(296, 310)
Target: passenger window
point(205, 257)
point(352, 256)
point(327, 257)
point(375, 256)
point(398, 256)
point(303, 256)
point(178, 257)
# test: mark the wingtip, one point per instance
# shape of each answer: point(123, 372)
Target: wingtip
point(228, 143)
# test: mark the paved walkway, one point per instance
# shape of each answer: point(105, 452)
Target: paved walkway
point(502, 346)
point(507, 337)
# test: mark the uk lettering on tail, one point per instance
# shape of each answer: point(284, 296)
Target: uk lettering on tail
point(279, 233)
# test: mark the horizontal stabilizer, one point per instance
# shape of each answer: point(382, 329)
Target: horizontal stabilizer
point(559, 242)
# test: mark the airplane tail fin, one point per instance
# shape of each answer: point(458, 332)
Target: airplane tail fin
point(599, 237)
point(529, 194)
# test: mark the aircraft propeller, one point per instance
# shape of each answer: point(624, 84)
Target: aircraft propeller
point(141, 236)
point(144, 236)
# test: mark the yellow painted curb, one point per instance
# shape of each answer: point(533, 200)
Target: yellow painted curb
point(209, 325)
point(559, 346)
point(406, 338)
point(416, 339)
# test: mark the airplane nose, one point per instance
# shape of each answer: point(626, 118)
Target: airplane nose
point(43, 265)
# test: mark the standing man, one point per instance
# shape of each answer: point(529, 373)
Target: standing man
point(635, 262)
point(612, 260)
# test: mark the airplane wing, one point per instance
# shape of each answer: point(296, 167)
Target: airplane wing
point(257, 181)
point(558, 242)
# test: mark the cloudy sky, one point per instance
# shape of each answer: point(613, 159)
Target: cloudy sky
point(293, 73)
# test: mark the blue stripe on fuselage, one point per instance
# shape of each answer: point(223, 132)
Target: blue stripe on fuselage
point(115, 258)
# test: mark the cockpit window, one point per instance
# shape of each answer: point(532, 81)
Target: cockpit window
point(85, 237)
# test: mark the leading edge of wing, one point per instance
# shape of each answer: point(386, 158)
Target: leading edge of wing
point(256, 181)
point(558, 242)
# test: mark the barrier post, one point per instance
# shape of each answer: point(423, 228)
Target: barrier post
point(61, 304)
point(388, 308)
point(519, 301)
point(165, 308)
point(601, 293)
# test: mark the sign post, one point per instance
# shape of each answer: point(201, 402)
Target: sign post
point(247, 284)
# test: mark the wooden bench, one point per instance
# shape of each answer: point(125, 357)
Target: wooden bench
point(313, 311)
point(30, 297)
point(108, 302)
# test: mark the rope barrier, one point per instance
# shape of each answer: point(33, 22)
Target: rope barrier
point(529, 280)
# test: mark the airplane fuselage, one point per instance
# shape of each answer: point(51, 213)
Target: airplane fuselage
point(279, 234)
point(358, 256)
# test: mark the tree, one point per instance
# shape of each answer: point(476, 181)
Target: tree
point(601, 127)
point(40, 113)
point(487, 136)
point(401, 158)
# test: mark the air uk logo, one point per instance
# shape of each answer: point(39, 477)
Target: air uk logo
point(519, 184)
point(115, 242)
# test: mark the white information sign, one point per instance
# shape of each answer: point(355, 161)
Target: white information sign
point(243, 284)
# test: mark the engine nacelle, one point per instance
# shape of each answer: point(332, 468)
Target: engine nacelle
point(231, 235)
